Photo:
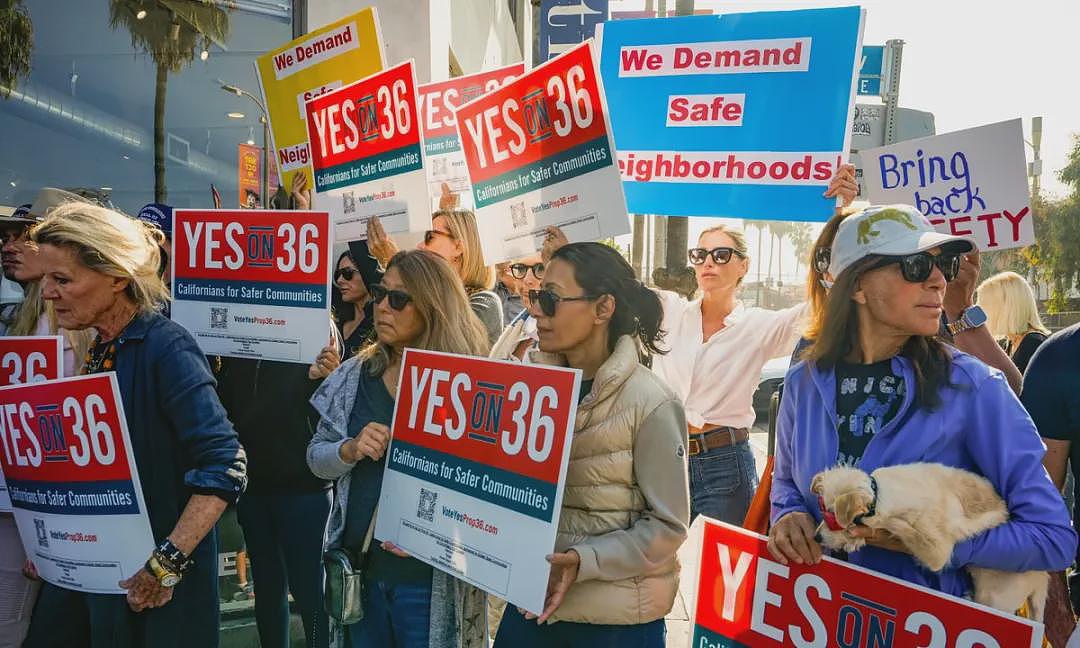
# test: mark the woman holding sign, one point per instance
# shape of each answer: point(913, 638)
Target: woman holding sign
point(101, 273)
point(614, 574)
point(877, 388)
point(454, 236)
point(420, 304)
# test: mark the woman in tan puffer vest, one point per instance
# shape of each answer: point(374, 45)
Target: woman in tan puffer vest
point(614, 574)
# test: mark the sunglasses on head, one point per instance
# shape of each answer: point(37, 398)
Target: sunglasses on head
point(548, 300)
point(430, 235)
point(519, 270)
point(398, 298)
point(917, 268)
point(720, 255)
point(347, 273)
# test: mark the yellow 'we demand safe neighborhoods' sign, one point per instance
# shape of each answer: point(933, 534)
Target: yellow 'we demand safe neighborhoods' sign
point(320, 61)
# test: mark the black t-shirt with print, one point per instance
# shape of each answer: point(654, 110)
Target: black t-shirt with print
point(867, 397)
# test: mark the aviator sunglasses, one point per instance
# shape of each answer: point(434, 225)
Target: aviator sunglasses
point(519, 270)
point(917, 268)
point(720, 255)
point(548, 300)
point(398, 298)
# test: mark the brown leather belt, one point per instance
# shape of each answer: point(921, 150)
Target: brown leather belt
point(720, 437)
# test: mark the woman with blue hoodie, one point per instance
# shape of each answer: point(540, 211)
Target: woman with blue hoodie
point(876, 388)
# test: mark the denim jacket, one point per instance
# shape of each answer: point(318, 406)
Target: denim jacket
point(980, 427)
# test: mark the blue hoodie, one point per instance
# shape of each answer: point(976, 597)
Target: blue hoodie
point(980, 426)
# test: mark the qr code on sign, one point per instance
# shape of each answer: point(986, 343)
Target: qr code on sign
point(219, 318)
point(518, 217)
point(426, 509)
point(39, 528)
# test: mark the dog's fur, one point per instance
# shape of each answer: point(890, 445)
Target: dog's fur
point(929, 507)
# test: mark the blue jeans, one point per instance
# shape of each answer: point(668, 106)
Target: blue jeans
point(722, 483)
point(284, 537)
point(395, 616)
point(516, 631)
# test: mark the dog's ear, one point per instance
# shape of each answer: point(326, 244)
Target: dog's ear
point(850, 506)
point(817, 484)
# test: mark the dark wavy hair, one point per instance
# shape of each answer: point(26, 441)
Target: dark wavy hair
point(601, 270)
point(836, 329)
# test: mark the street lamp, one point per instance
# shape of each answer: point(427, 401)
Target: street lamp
point(240, 92)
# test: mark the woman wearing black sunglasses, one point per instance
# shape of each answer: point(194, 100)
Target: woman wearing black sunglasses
point(454, 236)
point(877, 388)
point(625, 512)
point(352, 305)
point(419, 304)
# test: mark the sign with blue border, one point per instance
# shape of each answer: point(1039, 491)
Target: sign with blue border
point(741, 115)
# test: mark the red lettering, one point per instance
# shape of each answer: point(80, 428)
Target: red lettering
point(703, 59)
point(733, 112)
point(823, 171)
point(959, 219)
point(684, 56)
point(1015, 220)
point(282, 61)
point(634, 59)
point(678, 109)
point(989, 219)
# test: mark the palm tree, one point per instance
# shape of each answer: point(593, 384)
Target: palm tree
point(16, 44)
point(801, 241)
point(171, 32)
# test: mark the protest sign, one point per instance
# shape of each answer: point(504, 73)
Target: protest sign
point(28, 359)
point(476, 467)
point(253, 283)
point(74, 485)
point(366, 155)
point(448, 179)
point(968, 183)
point(320, 61)
point(745, 598)
point(539, 153)
point(739, 115)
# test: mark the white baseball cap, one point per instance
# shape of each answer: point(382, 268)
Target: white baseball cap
point(889, 230)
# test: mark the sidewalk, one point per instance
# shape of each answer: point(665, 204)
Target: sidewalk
point(678, 620)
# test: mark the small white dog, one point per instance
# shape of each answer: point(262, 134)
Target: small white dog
point(929, 507)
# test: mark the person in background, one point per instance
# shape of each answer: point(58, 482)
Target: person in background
point(420, 304)
point(1052, 396)
point(508, 288)
point(13, 225)
point(160, 216)
point(101, 273)
point(1012, 315)
point(877, 388)
point(453, 236)
point(353, 310)
point(614, 573)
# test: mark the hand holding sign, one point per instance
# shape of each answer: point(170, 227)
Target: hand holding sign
point(370, 443)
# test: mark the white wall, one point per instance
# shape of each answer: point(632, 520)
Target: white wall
point(417, 29)
point(482, 34)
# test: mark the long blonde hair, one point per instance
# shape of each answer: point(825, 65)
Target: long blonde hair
point(1010, 305)
point(108, 242)
point(449, 324)
point(33, 306)
point(474, 274)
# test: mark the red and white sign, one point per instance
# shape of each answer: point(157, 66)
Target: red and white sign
point(475, 471)
point(28, 359)
point(366, 154)
point(448, 178)
point(745, 598)
point(74, 486)
point(253, 283)
point(539, 153)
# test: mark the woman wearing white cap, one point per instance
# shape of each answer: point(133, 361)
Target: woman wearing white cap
point(877, 388)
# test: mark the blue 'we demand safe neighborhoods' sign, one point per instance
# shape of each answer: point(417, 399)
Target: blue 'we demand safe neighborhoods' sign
point(741, 115)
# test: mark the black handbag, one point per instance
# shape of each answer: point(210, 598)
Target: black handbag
point(343, 595)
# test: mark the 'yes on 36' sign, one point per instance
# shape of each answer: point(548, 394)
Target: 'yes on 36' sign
point(31, 359)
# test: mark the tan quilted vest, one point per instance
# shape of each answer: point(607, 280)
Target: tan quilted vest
point(602, 495)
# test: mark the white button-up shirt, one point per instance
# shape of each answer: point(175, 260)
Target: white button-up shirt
point(716, 378)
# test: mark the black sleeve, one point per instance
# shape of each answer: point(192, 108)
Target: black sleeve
point(1026, 349)
point(365, 263)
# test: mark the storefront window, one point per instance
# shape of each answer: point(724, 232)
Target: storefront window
point(119, 87)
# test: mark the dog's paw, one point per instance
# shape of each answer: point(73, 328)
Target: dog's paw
point(854, 544)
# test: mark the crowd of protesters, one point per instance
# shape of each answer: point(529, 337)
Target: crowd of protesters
point(893, 361)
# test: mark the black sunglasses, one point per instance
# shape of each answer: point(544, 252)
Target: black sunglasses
point(519, 270)
point(347, 273)
point(430, 235)
point(720, 255)
point(917, 268)
point(548, 300)
point(398, 298)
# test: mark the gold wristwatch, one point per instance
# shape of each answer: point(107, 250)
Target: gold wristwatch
point(165, 576)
